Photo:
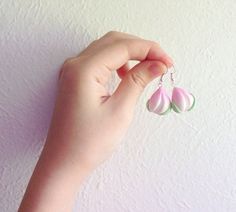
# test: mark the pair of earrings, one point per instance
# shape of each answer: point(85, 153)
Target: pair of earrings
point(161, 104)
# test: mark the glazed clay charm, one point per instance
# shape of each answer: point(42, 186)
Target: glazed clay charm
point(160, 103)
point(182, 100)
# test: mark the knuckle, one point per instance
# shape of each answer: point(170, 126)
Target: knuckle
point(72, 78)
point(155, 44)
point(138, 80)
point(67, 75)
point(92, 44)
point(112, 34)
point(70, 69)
point(68, 63)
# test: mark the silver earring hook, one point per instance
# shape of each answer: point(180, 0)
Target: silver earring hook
point(172, 75)
point(161, 78)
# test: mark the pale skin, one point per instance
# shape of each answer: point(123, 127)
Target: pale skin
point(88, 123)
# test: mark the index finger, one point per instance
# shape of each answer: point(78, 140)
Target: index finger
point(122, 50)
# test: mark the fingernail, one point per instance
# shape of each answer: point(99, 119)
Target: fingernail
point(169, 61)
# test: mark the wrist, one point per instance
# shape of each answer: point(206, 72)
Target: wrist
point(55, 180)
point(60, 160)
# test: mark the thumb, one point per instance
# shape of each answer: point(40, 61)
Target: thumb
point(134, 82)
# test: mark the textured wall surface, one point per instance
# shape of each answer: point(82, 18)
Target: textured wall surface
point(174, 163)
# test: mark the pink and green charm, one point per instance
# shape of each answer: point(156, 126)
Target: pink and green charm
point(159, 102)
point(182, 100)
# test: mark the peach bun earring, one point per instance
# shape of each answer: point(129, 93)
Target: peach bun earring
point(161, 104)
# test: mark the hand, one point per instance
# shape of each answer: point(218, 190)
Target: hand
point(88, 123)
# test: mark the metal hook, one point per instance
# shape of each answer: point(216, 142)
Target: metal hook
point(172, 75)
point(161, 78)
point(173, 67)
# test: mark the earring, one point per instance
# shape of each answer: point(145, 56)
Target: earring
point(181, 100)
point(161, 104)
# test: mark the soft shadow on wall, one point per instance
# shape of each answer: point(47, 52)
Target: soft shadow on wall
point(27, 98)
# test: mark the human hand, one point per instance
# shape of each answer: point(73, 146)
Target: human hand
point(88, 122)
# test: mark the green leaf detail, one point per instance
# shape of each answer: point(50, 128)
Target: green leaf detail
point(167, 111)
point(147, 105)
point(175, 108)
point(192, 104)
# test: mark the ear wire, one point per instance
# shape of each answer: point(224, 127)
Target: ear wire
point(173, 71)
point(161, 81)
point(161, 78)
point(180, 101)
point(172, 79)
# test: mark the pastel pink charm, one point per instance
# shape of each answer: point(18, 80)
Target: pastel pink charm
point(159, 102)
point(182, 100)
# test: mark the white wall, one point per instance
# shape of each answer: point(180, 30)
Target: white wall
point(174, 163)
